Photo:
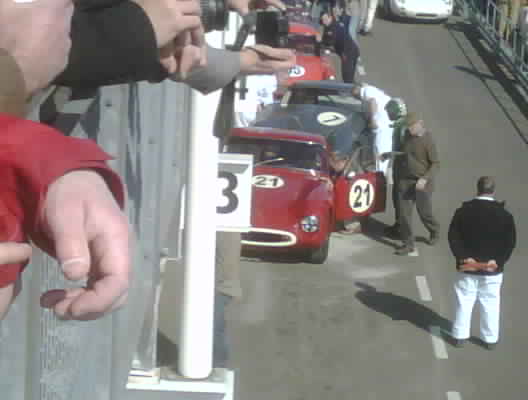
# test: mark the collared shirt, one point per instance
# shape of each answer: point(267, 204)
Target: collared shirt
point(485, 198)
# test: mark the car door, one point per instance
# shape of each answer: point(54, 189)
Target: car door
point(360, 195)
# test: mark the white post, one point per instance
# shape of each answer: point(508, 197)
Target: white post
point(196, 339)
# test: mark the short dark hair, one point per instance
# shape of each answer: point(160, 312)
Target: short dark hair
point(485, 185)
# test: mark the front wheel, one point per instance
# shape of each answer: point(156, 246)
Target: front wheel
point(319, 255)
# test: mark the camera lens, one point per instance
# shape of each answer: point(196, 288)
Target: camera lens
point(214, 15)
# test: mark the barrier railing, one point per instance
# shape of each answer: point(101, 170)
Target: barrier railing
point(43, 358)
point(507, 36)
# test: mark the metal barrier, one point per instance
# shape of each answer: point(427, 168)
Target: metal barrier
point(507, 37)
point(42, 358)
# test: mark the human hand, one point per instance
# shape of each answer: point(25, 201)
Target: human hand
point(91, 237)
point(261, 59)
point(492, 266)
point(420, 184)
point(37, 35)
point(170, 18)
point(14, 253)
point(183, 54)
point(372, 124)
point(242, 6)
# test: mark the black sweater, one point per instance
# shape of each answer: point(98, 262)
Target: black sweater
point(484, 230)
point(113, 42)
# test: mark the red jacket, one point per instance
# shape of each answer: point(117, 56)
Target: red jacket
point(32, 156)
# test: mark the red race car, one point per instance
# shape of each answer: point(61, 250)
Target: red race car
point(298, 199)
point(312, 62)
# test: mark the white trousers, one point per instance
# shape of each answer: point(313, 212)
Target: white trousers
point(383, 141)
point(485, 289)
point(371, 13)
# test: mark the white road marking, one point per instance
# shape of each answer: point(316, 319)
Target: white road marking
point(438, 344)
point(453, 396)
point(423, 288)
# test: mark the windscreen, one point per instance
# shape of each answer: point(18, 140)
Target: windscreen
point(281, 153)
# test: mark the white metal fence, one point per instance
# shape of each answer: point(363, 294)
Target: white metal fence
point(505, 28)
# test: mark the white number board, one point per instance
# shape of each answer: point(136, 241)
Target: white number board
point(233, 210)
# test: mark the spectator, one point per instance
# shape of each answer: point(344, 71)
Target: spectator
point(523, 28)
point(416, 170)
point(260, 91)
point(51, 212)
point(335, 37)
point(372, 7)
point(355, 10)
point(481, 231)
point(60, 231)
point(509, 15)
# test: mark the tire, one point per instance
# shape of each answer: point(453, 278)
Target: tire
point(319, 255)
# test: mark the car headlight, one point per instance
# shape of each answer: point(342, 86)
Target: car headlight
point(331, 77)
point(310, 223)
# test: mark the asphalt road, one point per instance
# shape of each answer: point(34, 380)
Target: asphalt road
point(365, 325)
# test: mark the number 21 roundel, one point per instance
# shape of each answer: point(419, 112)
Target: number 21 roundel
point(361, 195)
point(268, 181)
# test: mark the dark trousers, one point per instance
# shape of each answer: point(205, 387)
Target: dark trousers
point(408, 197)
point(395, 204)
point(349, 59)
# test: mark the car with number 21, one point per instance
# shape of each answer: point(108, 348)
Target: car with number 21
point(298, 199)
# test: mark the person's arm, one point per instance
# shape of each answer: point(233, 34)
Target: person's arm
point(253, 60)
point(432, 158)
point(372, 109)
point(111, 46)
point(510, 238)
point(455, 239)
point(222, 67)
point(12, 86)
point(43, 173)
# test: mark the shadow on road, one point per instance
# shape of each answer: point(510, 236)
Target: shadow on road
point(401, 308)
point(498, 73)
point(374, 229)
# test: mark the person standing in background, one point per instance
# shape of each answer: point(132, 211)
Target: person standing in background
point(481, 231)
point(416, 170)
point(366, 28)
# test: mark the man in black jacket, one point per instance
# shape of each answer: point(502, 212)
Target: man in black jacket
point(481, 231)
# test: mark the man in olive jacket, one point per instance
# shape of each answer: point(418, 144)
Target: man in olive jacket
point(481, 231)
point(414, 173)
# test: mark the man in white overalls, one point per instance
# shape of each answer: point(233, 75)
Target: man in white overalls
point(373, 103)
point(260, 89)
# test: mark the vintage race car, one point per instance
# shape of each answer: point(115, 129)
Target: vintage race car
point(418, 9)
point(312, 62)
point(298, 199)
point(326, 108)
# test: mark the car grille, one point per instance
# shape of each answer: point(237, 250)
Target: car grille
point(268, 237)
point(427, 15)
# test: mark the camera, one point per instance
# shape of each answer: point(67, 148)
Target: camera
point(272, 28)
point(215, 14)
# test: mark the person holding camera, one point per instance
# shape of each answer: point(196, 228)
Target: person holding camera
point(481, 231)
point(43, 174)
